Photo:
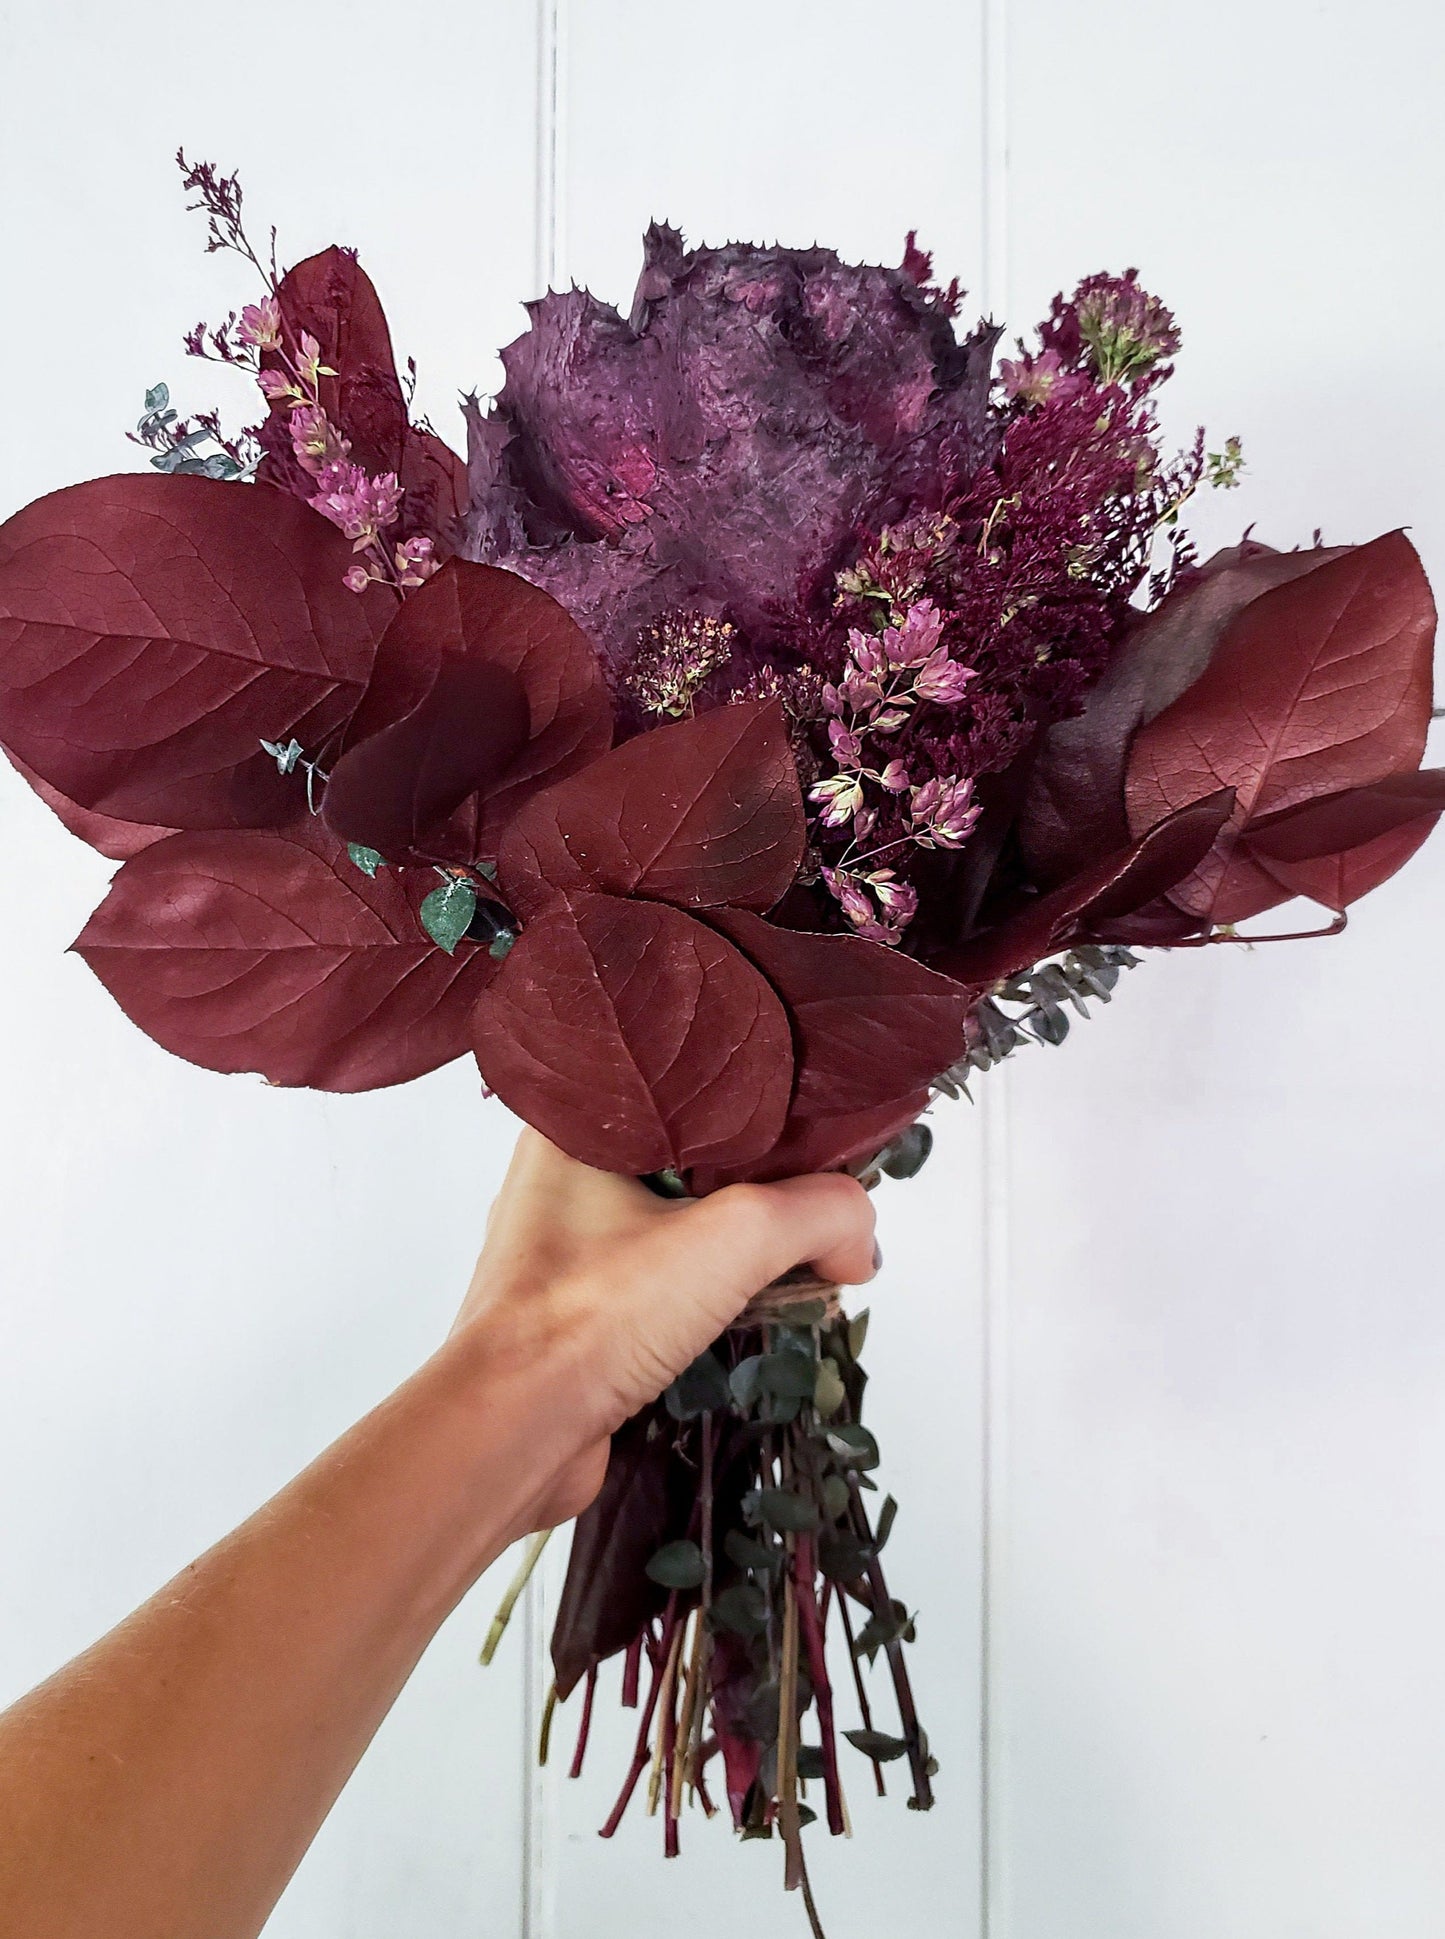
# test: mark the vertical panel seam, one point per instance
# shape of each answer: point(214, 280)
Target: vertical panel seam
point(994, 1102)
point(538, 1897)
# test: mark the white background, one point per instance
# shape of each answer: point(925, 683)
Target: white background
point(1160, 1345)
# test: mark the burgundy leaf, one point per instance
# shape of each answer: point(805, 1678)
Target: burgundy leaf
point(479, 615)
point(1319, 685)
point(636, 1038)
point(702, 813)
point(869, 1024)
point(269, 951)
point(1336, 881)
point(117, 839)
point(608, 1595)
point(330, 297)
point(826, 1142)
point(153, 630)
point(1074, 811)
point(394, 789)
point(1339, 848)
point(1343, 821)
point(1130, 879)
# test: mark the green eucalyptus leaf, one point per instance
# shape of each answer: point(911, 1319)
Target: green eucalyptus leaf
point(787, 1376)
point(749, 1554)
point(858, 1333)
point(836, 1496)
point(877, 1744)
point(157, 397)
point(886, 1515)
point(810, 1761)
point(829, 1392)
point(742, 1607)
point(368, 860)
point(842, 1558)
point(698, 1389)
point(447, 911)
point(743, 1382)
point(782, 1509)
point(854, 1446)
point(678, 1565)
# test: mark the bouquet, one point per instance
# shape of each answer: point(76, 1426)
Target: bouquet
point(787, 709)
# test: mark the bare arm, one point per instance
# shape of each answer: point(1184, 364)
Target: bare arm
point(166, 1783)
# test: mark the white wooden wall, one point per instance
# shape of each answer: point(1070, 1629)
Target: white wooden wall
point(1172, 1446)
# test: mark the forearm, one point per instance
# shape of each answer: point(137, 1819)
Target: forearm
point(214, 1728)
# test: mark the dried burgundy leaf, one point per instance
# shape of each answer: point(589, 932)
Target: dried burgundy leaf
point(1130, 879)
point(701, 813)
point(269, 951)
point(393, 790)
point(608, 1595)
point(869, 1024)
point(1339, 848)
point(117, 839)
point(636, 1038)
point(1337, 822)
point(826, 1142)
point(1318, 685)
point(1074, 811)
point(153, 630)
point(478, 615)
point(1336, 881)
point(330, 297)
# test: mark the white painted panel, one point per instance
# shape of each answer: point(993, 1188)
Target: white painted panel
point(205, 1280)
point(807, 122)
point(1221, 1693)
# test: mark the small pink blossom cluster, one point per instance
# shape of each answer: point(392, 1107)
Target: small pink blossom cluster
point(887, 676)
point(361, 505)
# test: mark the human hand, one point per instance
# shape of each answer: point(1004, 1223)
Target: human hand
point(620, 1289)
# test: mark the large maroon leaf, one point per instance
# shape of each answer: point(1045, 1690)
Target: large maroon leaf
point(869, 1024)
point(479, 615)
point(636, 1038)
point(1074, 810)
point(828, 1142)
point(393, 790)
point(153, 630)
point(117, 839)
point(608, 1596)
point(1336, 881)
point(1339, 848)
point(268, 951)
point(703, 813)
point(1318, 685)
point(330, 297)
point(1130, 879)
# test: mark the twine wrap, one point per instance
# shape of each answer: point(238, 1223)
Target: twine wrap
point(799, 1287)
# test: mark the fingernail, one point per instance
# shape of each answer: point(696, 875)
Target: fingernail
point(877, 1257)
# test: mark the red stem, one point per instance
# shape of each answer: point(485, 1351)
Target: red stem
point(865, 1709)
point(641, 1756)
point(804, 1570)
point(584, 1729)
point(632, 1672)
point(903, 1689)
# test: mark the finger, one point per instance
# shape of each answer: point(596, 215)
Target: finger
point(825, 1221)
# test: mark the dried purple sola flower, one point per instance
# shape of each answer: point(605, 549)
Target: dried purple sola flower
point(720, 448)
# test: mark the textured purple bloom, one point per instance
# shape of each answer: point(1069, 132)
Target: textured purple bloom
point(720, 450)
